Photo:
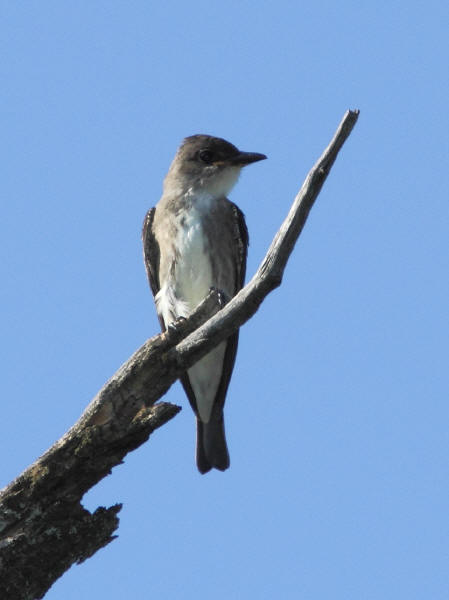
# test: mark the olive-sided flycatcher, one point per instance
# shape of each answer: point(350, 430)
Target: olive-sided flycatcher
point(195, 239)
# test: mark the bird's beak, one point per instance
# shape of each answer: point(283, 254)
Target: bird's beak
point(246, 158)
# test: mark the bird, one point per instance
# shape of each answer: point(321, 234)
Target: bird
point(196, 239)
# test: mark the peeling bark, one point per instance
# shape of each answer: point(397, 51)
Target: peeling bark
point(44, 528)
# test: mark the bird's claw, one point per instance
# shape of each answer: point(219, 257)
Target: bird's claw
point(175, 326)
point(176, 323)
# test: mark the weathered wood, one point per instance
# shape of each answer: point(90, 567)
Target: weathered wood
point(269, 275)
point(44, 528)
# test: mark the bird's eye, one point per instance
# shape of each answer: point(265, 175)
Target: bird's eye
point(206, 156)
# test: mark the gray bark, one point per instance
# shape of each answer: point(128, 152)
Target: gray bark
point(44, 528)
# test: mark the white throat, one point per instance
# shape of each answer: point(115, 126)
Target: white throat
point(223, 182)
point(217, 186)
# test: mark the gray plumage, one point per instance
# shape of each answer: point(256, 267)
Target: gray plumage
point(194, 239)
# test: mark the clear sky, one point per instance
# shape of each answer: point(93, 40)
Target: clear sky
point(337, 414)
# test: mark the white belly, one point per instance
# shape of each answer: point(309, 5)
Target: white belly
point(189, 273)
point(182, 292)
point(193, 267)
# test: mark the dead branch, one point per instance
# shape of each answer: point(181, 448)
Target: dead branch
point(44, 528)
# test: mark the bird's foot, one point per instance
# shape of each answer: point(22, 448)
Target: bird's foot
point(175, 329)
point(176, 324)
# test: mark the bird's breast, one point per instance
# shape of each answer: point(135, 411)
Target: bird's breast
point(193, 268)
point(195, 243)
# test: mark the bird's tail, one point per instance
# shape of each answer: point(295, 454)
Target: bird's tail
point(211, 448)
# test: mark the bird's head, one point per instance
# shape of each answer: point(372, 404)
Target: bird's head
point(207, 165)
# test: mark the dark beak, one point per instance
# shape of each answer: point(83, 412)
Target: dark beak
point(246, 158)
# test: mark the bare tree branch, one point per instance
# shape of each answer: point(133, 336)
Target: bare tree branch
point(269, 275)
point(44, 528)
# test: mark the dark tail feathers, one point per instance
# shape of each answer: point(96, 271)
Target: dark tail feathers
point(211, 448)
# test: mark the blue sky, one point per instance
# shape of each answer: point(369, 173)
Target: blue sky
point(337, 412)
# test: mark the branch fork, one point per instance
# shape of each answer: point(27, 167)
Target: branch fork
point(42, 520)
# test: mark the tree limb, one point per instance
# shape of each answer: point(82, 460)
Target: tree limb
point(44, 528)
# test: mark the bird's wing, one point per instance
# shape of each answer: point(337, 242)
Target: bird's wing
point(151, 256)
point(242, 242)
